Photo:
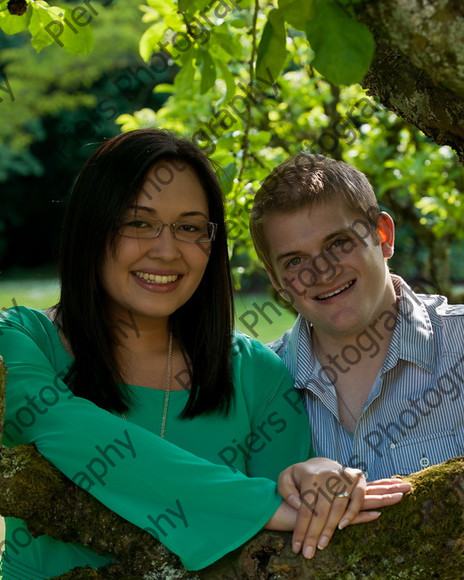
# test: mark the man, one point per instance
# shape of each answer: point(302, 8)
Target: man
point(380, 367)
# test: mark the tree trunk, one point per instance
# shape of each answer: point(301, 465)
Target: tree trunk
point(418, 68)
point(419, 538)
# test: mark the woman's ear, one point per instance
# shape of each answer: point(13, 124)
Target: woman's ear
point(386, 232)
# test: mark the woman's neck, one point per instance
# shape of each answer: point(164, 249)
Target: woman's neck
point(140, 334)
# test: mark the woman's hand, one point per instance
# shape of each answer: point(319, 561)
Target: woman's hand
point(323, 492)
point(327, 495)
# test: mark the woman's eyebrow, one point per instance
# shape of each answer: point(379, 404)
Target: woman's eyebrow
point(142, 207)
point(193, 213)
point(153, 211)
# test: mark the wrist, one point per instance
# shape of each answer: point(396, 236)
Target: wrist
point(283, 520)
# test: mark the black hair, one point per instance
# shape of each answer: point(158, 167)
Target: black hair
point(109, 182)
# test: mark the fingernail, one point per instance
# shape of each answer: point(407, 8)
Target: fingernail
point(323, 542)
point(343, 524)
point(296, 547)
point(375, 514)
point(294, 501)
point(309, 552)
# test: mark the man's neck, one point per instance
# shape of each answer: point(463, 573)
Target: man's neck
point(352, 364)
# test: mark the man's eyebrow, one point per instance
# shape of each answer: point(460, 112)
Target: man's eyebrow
point(328, 238)
point(154, 212)
point(281, 257)
point(342, 232)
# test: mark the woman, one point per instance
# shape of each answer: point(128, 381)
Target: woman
point(136, 388)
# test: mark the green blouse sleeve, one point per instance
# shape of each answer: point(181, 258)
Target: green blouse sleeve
point(199, 510)
point(280, 434)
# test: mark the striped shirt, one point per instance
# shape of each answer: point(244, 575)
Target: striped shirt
point(414, 413)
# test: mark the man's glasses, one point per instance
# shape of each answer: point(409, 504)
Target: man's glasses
point(192, 231)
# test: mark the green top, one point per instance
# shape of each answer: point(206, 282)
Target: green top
point(201, 503)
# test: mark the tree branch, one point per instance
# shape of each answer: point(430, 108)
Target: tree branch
point(248, 108)
point(418, 67)
point(411, 540)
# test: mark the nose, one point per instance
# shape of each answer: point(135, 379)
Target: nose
point(325, 268)
point(165, 246)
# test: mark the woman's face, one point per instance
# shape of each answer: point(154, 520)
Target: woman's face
point(153, 277)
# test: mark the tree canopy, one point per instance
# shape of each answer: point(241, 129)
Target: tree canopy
point(252, 82)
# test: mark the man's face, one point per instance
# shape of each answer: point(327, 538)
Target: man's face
point(331, 265)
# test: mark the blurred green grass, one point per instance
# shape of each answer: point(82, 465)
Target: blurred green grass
point(35, 293)
point(261, 317)
point(257, 315)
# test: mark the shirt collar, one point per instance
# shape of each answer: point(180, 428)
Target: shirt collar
point(298, 352)
point(412, 338)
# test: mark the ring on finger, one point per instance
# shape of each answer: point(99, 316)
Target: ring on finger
point(342, 494)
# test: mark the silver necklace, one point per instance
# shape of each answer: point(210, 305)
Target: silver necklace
point(167, 389)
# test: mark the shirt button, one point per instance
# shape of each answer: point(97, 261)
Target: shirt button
point(425, 462)
point(392, 446)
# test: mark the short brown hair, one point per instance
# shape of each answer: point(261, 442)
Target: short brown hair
point(306, 179)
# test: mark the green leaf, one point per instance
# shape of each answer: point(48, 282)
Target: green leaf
point(185, 4)
point(347, 6)
point(11, 24)
point(150, 38)
point(237, 22)
point(191, 6)
point(229, 79)
point(41, 17)
point(183, 80)
point(272, 46)
point(230, 42)
point(59, 25)
point(207, 68)
point(163, 88)
point(227, 176)
point(162, 6)
point(297, 13)
point(343, 46)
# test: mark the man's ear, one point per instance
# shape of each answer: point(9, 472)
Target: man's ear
point(276, 284)
point(386, 231)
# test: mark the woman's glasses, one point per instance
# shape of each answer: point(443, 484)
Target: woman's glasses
point(191, 231)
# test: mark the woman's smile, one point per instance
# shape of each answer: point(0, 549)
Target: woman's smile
point(165, 266)
point(157, 282)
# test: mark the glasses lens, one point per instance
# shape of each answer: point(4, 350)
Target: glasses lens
point(134, 226)
point(194, 231)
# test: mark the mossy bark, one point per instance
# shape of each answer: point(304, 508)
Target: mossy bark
point(418, 68)
point(419, 538)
